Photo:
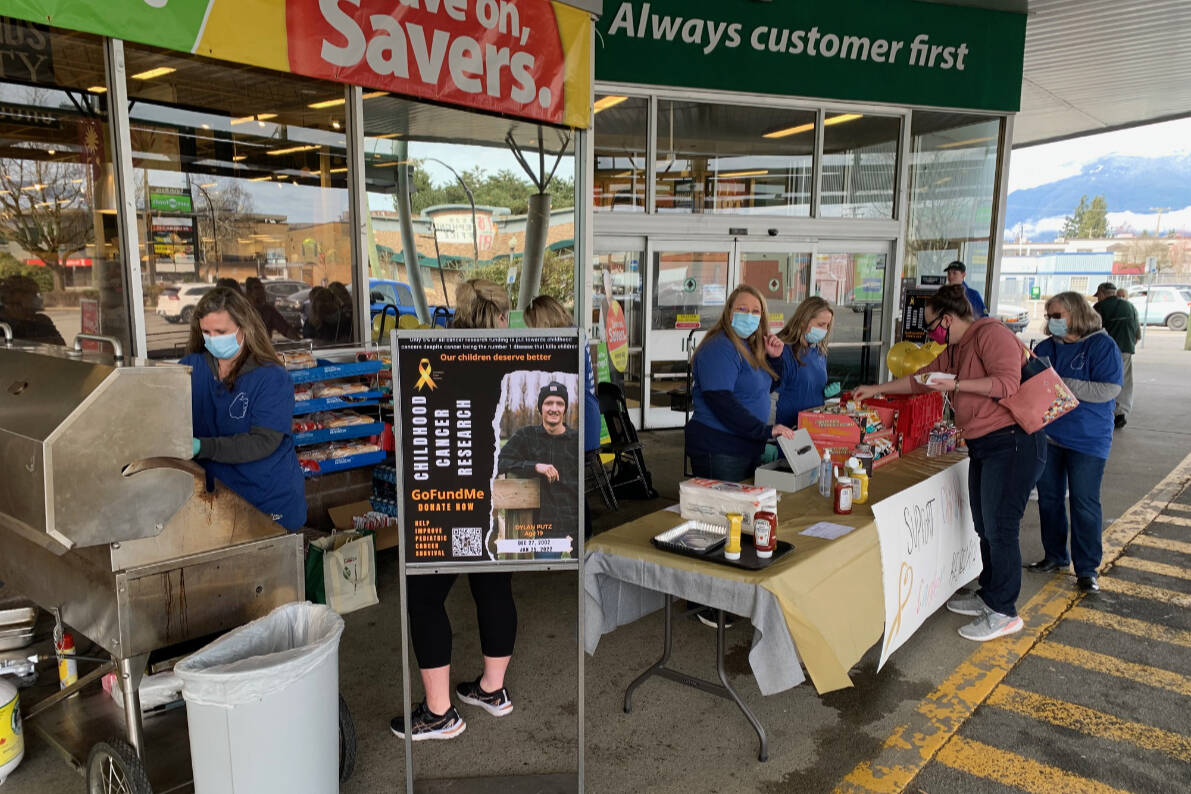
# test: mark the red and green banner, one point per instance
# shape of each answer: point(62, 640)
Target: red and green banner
point(529, 58)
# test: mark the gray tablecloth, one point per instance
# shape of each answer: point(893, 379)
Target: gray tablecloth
point(620, 590)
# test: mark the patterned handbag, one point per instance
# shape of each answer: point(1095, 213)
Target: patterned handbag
point(1042, 397)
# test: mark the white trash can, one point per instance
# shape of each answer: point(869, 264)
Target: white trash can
point(262, 703)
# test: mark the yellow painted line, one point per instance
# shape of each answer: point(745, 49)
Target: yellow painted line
point(1122, 587)
point(992, 763)
point(1178, 521)
point(910, 746)
point(1177, 546)
point(1090, 722)
point(1138, 628)
point(1178, 507)
point(1111, 665)
point(1149, 566)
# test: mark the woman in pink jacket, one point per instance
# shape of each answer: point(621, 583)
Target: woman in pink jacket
point(986, 359)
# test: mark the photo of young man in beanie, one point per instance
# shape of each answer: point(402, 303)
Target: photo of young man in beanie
point(550, 452)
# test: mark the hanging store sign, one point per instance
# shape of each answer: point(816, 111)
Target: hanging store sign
point(170, 199)
point(25, 53)
point(529, 58)
point(898, 51)
point(489, 444)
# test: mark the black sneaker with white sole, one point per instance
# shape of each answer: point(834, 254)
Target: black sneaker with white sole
point(428, 725)
point(495, 703)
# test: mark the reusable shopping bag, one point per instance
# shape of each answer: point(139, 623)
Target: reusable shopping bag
point(341, 571)
point(1042, 398)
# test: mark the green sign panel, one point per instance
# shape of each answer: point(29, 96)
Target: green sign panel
point(170, 200)
point(1035, 293)
point(898, 51)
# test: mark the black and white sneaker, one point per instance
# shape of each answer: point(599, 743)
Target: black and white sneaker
point(496, 703)
point(428, 725)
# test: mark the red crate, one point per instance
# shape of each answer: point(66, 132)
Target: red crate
point(916, 415)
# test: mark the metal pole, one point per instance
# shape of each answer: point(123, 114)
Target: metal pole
point(358, 215)
point(409, 245)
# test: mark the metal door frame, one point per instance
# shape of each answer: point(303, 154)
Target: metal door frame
point(619, 243)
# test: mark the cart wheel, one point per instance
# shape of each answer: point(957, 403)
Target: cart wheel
point(113, 767)
point(347, 742)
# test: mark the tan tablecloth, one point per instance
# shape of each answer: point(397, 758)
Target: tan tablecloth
point(829, 590)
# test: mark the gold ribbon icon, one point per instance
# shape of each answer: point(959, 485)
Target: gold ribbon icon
point(425, 379)
point(905, 590)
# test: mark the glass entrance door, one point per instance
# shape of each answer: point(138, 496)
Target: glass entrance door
point(687, 289)
point(616, 322)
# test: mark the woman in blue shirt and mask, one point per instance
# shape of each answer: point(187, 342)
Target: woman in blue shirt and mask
point(243, 406)
point(733, 374)
point(803, 371)
point(1089, 362)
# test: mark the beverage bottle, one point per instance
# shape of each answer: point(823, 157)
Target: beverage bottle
point(825, 474)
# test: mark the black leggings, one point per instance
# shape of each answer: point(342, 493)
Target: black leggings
point(430, 628)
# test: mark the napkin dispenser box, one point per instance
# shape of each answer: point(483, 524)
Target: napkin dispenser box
point(798, 467)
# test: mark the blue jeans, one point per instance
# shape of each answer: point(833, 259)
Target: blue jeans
point(1080, 473)
point(729, 468)
point(1005, 465)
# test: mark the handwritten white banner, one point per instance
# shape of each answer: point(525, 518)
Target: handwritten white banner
point(929, 549)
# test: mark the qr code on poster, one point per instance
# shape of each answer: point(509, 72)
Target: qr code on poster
point(467, 542)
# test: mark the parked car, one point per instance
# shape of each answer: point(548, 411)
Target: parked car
point(177, 301)
point(280, 288)
point(292, 307)
point(1016, 318)
point(1162, 304)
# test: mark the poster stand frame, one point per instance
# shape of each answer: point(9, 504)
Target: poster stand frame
point(406, 568)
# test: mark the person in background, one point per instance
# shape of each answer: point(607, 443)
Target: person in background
point(229, 283)
point(803, 372)
point(254, 290)
point(479, 303)
point(325, 322)
point(732, 375)
point(546, 312)
point(1123, 293)
point(957, 272)
point(1119, 318)
point(242, 403)
point(343, 298)
point(986, 359)
point(1087, 359)
point(20, 308)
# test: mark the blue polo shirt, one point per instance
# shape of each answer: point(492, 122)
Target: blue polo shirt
point(976, 301)
point(719, 367)
point(1096, 358)
point(801, 383)
point(262, 397)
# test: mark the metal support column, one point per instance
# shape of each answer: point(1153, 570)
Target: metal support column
point(992, 273)
point(357, 206)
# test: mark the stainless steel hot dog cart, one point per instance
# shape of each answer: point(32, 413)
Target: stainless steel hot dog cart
point(105, 520)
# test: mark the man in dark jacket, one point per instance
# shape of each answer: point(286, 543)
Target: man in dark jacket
point(549, 452)
point(957, 273)
point(1120, 321)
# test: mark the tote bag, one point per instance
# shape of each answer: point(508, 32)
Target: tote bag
point(1042, 398)
point(346, 564)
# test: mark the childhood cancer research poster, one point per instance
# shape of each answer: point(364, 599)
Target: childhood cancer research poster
point(489, 446)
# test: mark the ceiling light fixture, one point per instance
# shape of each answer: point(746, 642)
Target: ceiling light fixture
point(149, 74)
point(98, 89)
point(239, 157)
point(327, 103)
point(840, 119)
point(291, 150)
point(790, 131)
point(730, 174)
point(375, 94)
point(256, 117)
point(968, 142)
point(261, 178)
point(335, 125)
point(389, 135)
point(603, 103)
point(338, 171)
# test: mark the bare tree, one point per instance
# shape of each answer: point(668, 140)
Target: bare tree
point(44, 208)
point(220, 211)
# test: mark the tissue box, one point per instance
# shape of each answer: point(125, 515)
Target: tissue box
point(798, 467)
point(711, 500)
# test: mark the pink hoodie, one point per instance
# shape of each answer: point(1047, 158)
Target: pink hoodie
point(988, 349)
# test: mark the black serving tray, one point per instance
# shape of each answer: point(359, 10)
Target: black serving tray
point(748, 553)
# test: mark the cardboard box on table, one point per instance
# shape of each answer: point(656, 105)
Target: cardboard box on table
point(706, 500)
point(840, 433)
point(797, 469)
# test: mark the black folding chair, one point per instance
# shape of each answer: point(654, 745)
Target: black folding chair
point(628, 465)
point(597, 479)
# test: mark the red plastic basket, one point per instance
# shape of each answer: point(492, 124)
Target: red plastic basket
point(916, 415)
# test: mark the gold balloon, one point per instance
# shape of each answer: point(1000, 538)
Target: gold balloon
point(382, 324)
point(896, 358)
point(408, 321)
point(918, 359)
point(935, 347)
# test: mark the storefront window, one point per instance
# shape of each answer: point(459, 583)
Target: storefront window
point(239, 173)
point(733, 159)
point(60, 266)
point(617, 320)
point(621, 168)
point(859, 165)
point(953, 177)
point(483, 191)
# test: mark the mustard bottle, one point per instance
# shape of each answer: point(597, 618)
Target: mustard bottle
point(859, 481)
point(732, 547)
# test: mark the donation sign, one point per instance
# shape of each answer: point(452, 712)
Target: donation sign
point(489, 446)
point(929, 549)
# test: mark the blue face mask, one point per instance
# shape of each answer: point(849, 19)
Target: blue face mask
point(223, 347)
point(745, 324)
point(815, 335)
point(1057, 327)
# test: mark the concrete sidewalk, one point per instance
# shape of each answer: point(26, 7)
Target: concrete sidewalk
point(678, 739)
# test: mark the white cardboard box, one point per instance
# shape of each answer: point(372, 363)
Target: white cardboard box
point(711, 500)
point(797, 469)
